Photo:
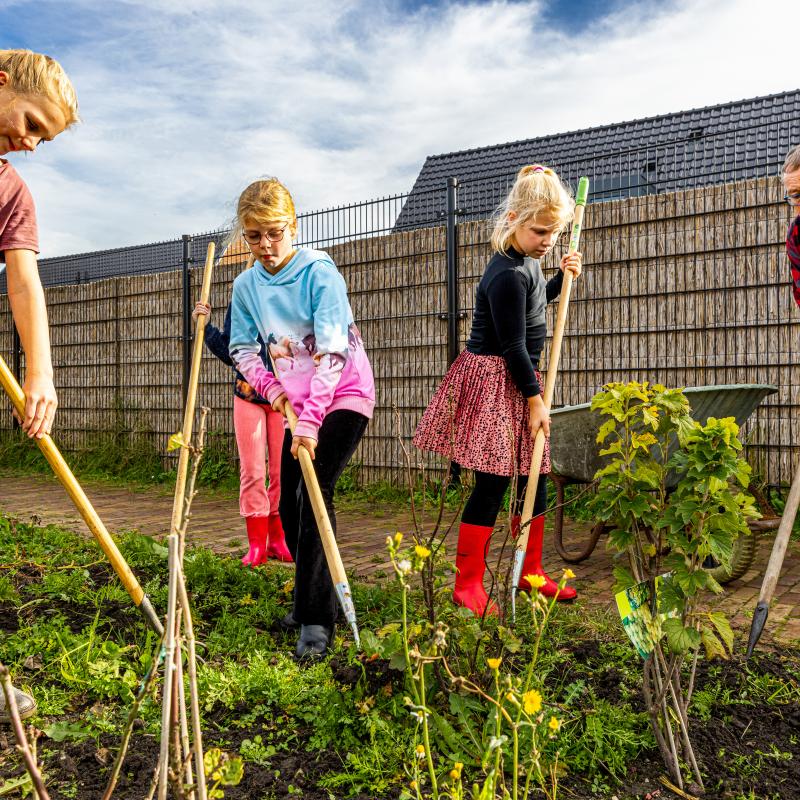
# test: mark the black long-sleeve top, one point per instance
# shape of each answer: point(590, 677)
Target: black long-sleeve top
point(217, 342)
point(509, 316)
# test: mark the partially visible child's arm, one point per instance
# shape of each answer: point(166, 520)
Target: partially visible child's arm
point(26, 296)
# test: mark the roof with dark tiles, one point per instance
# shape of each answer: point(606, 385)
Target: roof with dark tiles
point(716, 144)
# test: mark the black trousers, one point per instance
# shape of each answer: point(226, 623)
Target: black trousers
point(314, 596)
point(484, 503)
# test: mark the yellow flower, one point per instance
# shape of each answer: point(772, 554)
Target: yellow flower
point(536, 581)
point(412, 785)
point(569, 574)
point(554, 724)
point(455, 773)
point(420, 751)
point(532, 702)
point(398, 537)
point(421, 551)
point(494, 663)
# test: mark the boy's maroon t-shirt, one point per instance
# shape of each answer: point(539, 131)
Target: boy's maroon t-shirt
point(793, 251)
point(18, 229)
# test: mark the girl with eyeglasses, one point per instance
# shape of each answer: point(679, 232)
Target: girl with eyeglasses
point(791, 184)
point(489, 408)
point(295, 300)
point(37, 103)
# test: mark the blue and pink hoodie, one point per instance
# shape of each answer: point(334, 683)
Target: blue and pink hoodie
point(303, 315)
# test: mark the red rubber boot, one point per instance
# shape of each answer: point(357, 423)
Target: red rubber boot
point(257, 536)
point(276, 541)
point(473, 541)
point(533, 562)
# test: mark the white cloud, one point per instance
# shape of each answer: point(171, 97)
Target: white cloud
point(182, 106)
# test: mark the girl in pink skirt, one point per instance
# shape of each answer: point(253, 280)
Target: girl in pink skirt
point(489, 407)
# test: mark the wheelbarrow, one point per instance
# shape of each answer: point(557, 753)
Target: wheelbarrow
point(575, 457)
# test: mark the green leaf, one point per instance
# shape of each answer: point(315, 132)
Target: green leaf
point(723, 627)
point(712, 644)
point(61, 731)
point(622, 578)
point(176, 441)
point(680, 638)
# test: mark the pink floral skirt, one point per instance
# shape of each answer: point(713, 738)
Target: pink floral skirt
point(479, 419)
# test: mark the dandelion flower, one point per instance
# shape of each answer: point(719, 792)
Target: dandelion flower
point(532, 702)
point(554, 724)
point(569, 574)
point(398, 537)
point(421, 551)
point(404, 566)
point(536, 581)
point(494, 663)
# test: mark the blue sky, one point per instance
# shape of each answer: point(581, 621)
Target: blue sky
point(184, 104)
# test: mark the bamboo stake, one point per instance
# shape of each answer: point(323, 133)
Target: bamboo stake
point(81, 501)
point(191, 397)
point(194, 697)
point(169, 666)
point(549, 390)
point(326, 535)
point(186, 748)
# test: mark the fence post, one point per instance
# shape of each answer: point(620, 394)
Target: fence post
point(16, 360)
point(453, 315)
point(186, 337)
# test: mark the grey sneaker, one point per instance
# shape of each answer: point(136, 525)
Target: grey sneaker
point(25, 703)
point(314, 641)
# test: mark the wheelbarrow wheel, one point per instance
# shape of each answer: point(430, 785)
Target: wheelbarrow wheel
point(744, 552)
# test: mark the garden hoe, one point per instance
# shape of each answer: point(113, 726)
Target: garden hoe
point(549, 389)
point(74, 490)
point(332, 555)
point(775, 563)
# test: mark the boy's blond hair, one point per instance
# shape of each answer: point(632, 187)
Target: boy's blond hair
point(537, 192)
point(38, 75)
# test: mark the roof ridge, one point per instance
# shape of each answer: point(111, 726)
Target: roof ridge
point(610, 126)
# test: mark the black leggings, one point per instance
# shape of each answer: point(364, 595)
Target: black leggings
point(484, 503)
point(314, 596)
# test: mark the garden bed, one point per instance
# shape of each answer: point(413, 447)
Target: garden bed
point(340, 728)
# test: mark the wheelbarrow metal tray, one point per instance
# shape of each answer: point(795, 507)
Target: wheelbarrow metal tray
point(575, 453)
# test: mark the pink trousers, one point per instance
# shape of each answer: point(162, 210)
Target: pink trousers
point(259, 437)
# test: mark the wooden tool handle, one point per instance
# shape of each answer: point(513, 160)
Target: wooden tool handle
point(74, 490)
point(552, 367)
point(191, 396)
point(326, 534)
point(778, 554)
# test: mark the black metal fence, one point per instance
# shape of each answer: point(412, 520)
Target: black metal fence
point(661, 217)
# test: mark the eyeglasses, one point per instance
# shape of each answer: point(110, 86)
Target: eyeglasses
point(255, 237)
point(792, 199)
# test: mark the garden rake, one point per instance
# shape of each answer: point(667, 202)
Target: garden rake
point(332, 555)
point(78, 496)
point(549, 389)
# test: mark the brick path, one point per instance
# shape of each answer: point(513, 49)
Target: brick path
point(362, 535)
